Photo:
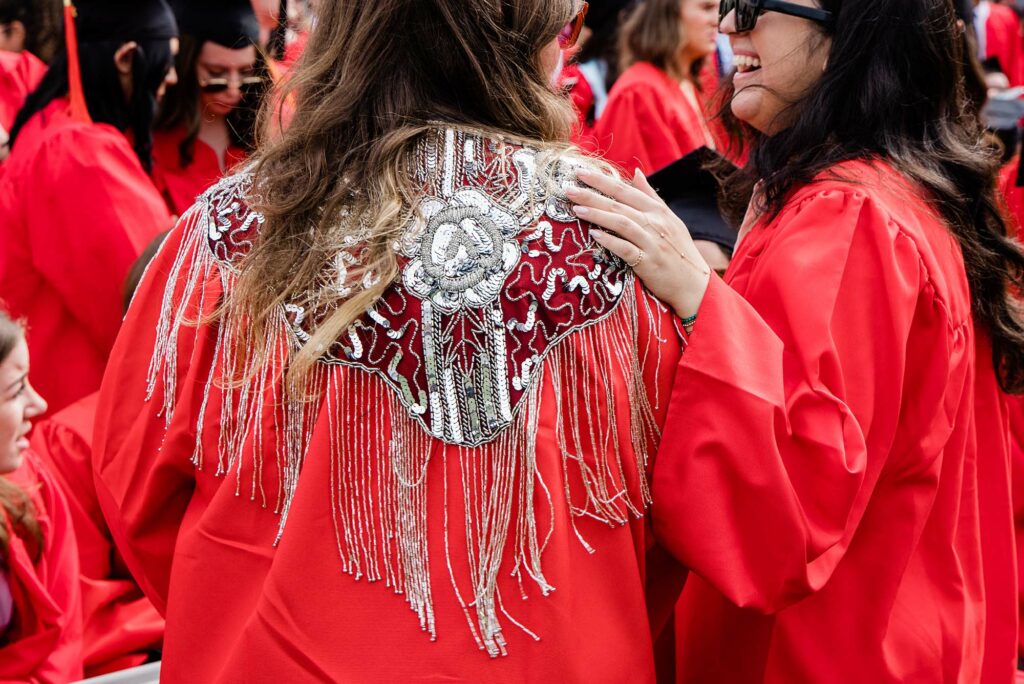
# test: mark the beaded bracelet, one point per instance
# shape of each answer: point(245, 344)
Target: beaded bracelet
point(687, 322)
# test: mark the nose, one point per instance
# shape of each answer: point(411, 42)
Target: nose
point(728, 24)
point(172, 77)
point(36, 404)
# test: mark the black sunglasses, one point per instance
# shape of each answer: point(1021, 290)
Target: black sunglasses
point(748, 12)
point(220, 85)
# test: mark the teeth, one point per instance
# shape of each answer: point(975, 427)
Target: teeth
point(746, 63)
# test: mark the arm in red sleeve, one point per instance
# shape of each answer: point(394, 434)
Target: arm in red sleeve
point(47, 646)
point(96, 211)
point(143, 482)
point(787, 402)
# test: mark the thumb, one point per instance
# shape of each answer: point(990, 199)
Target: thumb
point(640, 183)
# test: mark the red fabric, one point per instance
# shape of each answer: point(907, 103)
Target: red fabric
point(1012, 195)
point(45, 641)
point(180, 185)
point(830, 500)
point(76, 210)
point(1003, 40)
point(274, 619)
point(122, 628)
point(20, 73)
point(1016, 413)
point(582, 97)
point(649, 122)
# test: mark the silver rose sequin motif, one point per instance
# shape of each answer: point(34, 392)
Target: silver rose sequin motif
point(465, 250)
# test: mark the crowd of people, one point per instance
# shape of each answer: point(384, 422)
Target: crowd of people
point(531, 341)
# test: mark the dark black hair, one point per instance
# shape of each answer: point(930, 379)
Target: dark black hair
point(42, 21)
point(180, 107)
point(103, 92)
point(895, 89)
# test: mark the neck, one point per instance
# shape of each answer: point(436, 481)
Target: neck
point(213, 130)
point(684, 68)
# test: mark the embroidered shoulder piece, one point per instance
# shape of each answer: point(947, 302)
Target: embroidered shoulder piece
point(496, 270)
point(502, 299)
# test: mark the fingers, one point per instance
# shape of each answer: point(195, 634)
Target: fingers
point(592, 200)
point(641, 184)
point(616, 223)
point(623, 249)
point(619, 191)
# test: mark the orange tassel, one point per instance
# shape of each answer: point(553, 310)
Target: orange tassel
point(76, 93)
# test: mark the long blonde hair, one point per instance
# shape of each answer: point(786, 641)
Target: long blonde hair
point(376, 76)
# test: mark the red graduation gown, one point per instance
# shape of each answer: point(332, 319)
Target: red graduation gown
point(121, 626)
point(241, 609)
point(44, 644)
point(20, 73)
point(1003, 41)
point(581, 94)
point(830, 503)
point(76, 210)
point(650, 122)
point(180, 185)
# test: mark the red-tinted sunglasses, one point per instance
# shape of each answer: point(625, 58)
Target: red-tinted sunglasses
point(570, 35)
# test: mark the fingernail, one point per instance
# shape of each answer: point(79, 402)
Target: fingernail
point(585, 172)
point(637, 175)
point(581, 211)
point(597, 233)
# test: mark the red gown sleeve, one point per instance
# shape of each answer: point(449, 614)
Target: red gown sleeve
point(143, 484)
point(46, 645)
point(97, 211)
point(634, 132)
point(763, 475)
point(121, 625)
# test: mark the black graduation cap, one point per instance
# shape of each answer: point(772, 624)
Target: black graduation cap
point(691, 192)
point(124, 20)
point(231, 23)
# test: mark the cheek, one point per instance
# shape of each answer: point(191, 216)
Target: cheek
point(12, 418)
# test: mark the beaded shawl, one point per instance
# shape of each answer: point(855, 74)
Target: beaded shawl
point(496, 273)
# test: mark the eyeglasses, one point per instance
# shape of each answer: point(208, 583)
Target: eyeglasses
point(749, 11)
point(219, 85)
point(570, 35)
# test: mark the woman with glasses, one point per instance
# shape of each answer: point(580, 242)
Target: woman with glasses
point(207, 122)
point(831, 504)
point(655, 113)
point(381, 409)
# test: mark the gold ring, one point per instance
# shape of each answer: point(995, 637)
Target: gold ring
point(639, 258)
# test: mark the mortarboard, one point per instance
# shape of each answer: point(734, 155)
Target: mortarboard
point(691, 192)
point(231, 23)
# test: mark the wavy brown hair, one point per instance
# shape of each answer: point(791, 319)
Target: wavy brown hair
point(376, 77)
point(15, 503)
point(651, 33)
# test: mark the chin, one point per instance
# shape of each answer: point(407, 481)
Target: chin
point(746, 106)
point(11, 460)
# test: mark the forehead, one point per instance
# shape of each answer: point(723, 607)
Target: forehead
point(214, 55)
point(15, 365)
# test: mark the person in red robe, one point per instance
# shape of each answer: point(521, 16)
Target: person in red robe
point(466, 474)
point(655, 113)
point(594, 68)
point(122, 629)
point(206, 123)
point(20, 73)
point(40, 604)
point(831, 499)
point(999, 38)
point(76, 205)
point(31, 26)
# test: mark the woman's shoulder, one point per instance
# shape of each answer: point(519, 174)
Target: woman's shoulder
point(642, 77)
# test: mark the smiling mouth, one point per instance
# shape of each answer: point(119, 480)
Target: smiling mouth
point(746, 64)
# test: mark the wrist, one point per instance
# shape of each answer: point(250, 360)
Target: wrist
point(687, 303)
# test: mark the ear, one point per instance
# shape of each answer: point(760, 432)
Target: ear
point(124, 57)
